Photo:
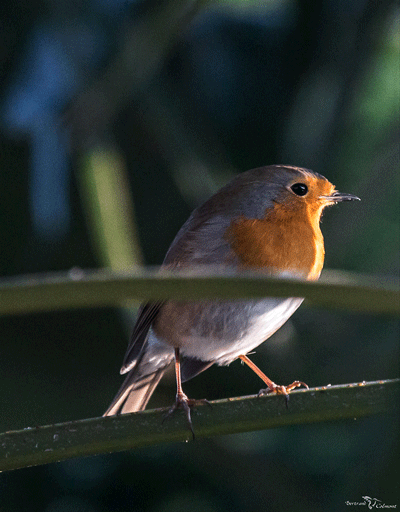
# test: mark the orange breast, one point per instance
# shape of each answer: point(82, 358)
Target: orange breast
point(283, 241)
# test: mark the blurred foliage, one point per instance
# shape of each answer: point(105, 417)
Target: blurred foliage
point(208, 90)
point(104, 288)
point(109, 209)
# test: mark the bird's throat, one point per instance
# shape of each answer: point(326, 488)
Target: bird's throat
point(289, 243)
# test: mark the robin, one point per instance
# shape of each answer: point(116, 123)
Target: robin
point(265, 219)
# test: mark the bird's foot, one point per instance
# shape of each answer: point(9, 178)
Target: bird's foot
point(185, 403)
point(282, 390)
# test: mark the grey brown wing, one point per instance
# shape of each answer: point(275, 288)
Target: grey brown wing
point(140, 334)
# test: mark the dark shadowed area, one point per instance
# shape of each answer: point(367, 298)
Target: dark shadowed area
point(117, 118)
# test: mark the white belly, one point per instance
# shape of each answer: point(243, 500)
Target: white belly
point(220, 331)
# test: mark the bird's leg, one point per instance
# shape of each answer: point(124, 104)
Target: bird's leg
point(181, 400)
point(272, 387)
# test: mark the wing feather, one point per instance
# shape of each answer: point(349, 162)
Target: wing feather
point(140, 333)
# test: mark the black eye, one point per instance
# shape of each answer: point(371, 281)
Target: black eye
point(300, 189)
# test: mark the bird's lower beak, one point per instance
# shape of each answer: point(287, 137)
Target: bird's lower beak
point(337, 197)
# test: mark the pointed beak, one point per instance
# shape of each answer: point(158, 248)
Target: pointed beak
point(338, 197)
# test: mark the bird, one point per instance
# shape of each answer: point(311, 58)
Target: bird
point(266, 220)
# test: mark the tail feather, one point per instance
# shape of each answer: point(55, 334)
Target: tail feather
point(134, 393)
point(140, 382)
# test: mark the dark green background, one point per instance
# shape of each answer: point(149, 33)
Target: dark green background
point(313, 84)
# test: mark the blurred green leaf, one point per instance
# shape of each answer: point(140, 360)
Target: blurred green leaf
point(79, 289)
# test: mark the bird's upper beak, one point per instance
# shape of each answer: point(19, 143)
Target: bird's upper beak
point(337, 197)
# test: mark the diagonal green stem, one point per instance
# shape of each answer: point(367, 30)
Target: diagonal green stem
point(51, 443)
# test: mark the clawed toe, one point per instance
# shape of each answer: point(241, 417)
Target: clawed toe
point(185, 403)
point(282, 390)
